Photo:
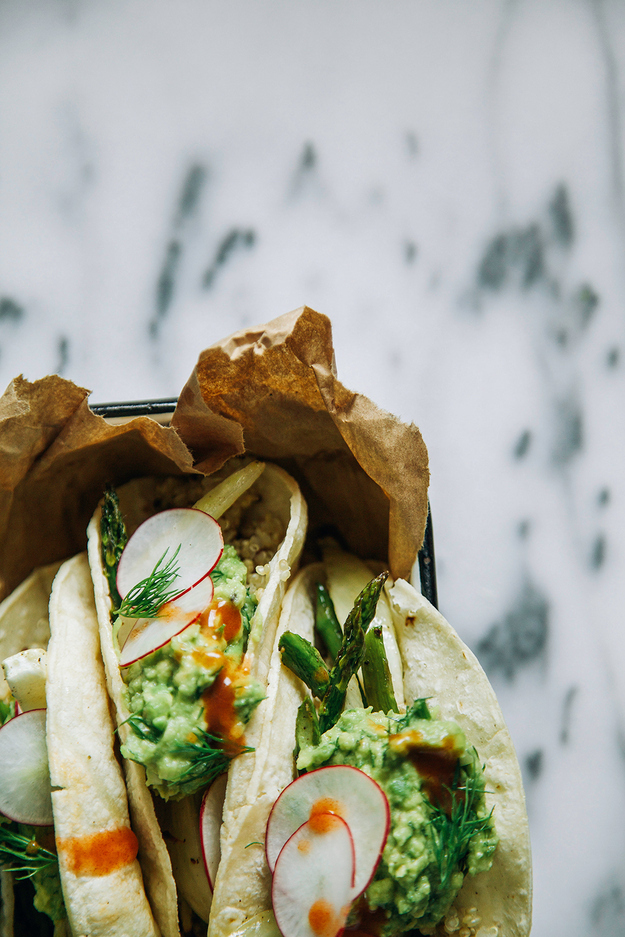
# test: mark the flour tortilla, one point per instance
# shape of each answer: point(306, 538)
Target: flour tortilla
point(89, 795)
point(243, 883)
point(280, 495)
point(439, 666)
point(23, 624)
point(24, 617)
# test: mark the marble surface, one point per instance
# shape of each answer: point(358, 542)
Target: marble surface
point(446, 181)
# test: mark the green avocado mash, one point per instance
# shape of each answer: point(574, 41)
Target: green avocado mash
point(440, 829)
point(169, 692)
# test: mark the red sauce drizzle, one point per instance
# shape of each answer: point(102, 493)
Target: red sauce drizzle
point(324, 920)
point(223, 618)
point(368, 923)
point(322, 814)
point(436, 766)
point(99, 853)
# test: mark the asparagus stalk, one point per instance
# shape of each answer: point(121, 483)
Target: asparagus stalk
point(305, 661)
point(114, 537)
point(306, 726)
point(351, 653)
point(326, 622)
point(376, 674)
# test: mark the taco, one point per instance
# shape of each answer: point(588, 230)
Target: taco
point(70, 831)
point(188, 681)
point(455, 856)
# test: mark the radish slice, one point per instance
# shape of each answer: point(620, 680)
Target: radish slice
point(211, 813)
point(339, 789)
point(197, 534)
point(312, 880)
point(148, 634)
point(24, 774)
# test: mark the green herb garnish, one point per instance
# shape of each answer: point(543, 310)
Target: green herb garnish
point(23, 854)
point(147, 598)
point(208, 761)
point(451, 833)
point(141, 728)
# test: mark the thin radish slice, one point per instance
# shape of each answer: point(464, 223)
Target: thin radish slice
point(312, 879)
point(198, 535)
point(211, 813)
point(148, 634)
point(24, 774)
point(345, 791)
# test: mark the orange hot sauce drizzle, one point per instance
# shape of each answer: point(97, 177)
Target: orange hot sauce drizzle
point(99, 853)
point(324, 920)
point(222, 621)
point(323, 813)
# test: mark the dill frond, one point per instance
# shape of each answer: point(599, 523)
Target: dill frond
point(22, 854)
point(141, 728)
point(208, 758)
point(147, 598)
point(451, 834)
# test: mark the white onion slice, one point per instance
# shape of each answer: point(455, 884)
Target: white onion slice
point(211, 813)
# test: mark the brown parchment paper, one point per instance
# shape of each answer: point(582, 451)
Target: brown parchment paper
point(270, 390)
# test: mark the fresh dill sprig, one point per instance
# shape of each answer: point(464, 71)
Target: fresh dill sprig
point(208, 758)
point(141, 728)
point(23, 854)
point(114, 538)
point(451, 834)
point(147, 598)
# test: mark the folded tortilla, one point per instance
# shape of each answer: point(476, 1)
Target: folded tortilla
point(139, 499)
point(23, 624)
point(438, 666)
point(101, 877)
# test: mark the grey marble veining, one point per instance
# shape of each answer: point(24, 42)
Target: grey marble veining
point(447, 182)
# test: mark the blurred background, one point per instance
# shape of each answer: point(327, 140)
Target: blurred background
point(445, 180)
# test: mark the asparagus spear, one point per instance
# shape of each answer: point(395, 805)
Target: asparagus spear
point(306, 726)
point(114, 538)
point(350, 656)
point(305, 661)
point(326, 622)
point(376, 674)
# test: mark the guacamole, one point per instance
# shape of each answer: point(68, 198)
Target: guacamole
point(440, 829)
point(190, 700)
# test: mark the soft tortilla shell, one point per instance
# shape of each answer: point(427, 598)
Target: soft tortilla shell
point(282, 496)
point(24, 617)
point(89, 794)
point(243, 883)
point(437, 665)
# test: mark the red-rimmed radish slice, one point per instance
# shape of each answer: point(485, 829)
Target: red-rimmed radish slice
point(180, 819)
point(148, 634)
point(312, 880)
point(211, 813)
point(24, 774)
point(345, 791)
point(197, 534)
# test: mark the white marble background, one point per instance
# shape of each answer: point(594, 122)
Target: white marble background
point(445, 179)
